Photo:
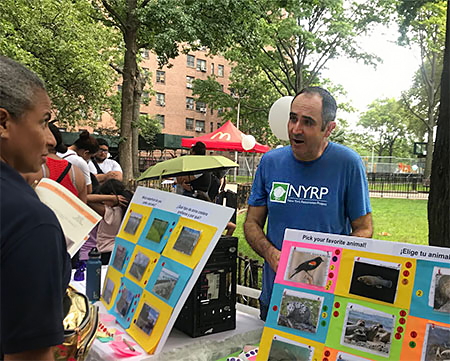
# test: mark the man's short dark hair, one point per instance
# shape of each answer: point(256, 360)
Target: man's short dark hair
point(329, 105)
point(102, 141)
point(199, 148)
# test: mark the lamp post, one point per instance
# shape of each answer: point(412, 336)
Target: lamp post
point(237, 126)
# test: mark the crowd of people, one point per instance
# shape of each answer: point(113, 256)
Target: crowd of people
point(329, 180)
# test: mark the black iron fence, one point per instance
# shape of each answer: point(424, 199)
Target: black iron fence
point(398, 185)
point(249, 274)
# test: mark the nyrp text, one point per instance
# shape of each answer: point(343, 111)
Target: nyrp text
point(310, 192)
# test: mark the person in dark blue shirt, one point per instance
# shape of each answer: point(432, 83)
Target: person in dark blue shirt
point(34, 263)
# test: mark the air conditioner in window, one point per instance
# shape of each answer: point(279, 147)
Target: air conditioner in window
point(189, 85)
point(198, 129)
point(162, 103)
point(203, 69)
point(202, 110)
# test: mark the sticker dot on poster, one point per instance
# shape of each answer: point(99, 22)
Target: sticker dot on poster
point(405, 281)
point(335, 313)
point(324, 359)
point(331, 275)
point(327, 353)
point(324, 315)
point(337, 304)
point(400, 329)
point(325, 308)
point(408, 264)
point(403, 313)
point(398, 336)
point(335, 258)
point(324, 323)
point(275, 308)
point(419, 293)
point(406, 273)
point(402, 321)
point(413, 334)
point(338, 252)
point(412, 344)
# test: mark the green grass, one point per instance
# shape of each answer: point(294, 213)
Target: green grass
point(402, 220)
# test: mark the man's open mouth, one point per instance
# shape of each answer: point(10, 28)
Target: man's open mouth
point(298, 141)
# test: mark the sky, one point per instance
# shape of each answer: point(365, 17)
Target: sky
point(364, 83)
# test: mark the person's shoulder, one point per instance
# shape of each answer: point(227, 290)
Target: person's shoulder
point(277, 154)
point(344, 153)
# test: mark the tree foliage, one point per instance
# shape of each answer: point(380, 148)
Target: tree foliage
point(69, 50)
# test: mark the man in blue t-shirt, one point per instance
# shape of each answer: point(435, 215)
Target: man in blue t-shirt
point(312, 185)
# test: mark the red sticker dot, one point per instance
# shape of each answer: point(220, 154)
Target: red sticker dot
point(327, 353)
point(128, 319)
point(404, 281)
point(406, 273)
point(128, 258)
point(335, 313)
point(163, 264)
point(324, 359)
point(135, 296)
point(331, 275)
point(135, 302)
point(170, 230)
point(338, 252)
point(132, 310)
point(402, 321)
point(403, 313)
point(398, 336)
point(275, 308)
point(337, 304)
point(400, 329)
point(408, 264)
point(145, 282)
point(413, 334)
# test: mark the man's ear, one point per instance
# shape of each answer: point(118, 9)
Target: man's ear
point(330, 127)
point(5, 117)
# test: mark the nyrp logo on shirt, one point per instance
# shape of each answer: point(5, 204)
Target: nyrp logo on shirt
point(286, 192)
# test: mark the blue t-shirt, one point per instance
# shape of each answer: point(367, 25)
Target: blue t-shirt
point(323, 195)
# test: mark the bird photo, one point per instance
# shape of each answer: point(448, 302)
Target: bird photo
point(307, 267)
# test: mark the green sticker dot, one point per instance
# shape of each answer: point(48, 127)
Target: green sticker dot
point(323, 323)
point(325, 308)
point(412, 344)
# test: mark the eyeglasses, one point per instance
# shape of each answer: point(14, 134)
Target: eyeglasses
point(103, 150)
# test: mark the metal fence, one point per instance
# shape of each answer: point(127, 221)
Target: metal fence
point(398, 185)
point(249, 274)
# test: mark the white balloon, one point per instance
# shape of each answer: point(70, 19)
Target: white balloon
point(248, 142)
point(279, 117)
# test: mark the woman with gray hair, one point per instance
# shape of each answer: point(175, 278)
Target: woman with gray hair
point(34, 263)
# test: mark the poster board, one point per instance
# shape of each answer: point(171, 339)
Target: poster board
point(348, 298)
point(163, 244)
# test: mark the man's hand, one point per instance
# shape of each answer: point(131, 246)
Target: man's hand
point(273, 259)
point(362, 226)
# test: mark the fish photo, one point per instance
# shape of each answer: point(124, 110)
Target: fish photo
point(300, 311)
point(139, 265)
point(108, 291)
point(283, 349)
point(165, 283)
point(441, 287)
point(124, 302)
point(375, 279)
point(147, 318)
point(368, 330)
point(187, 240)
point(157, 230)
point(119, 258)
point(133, 223)
point(436, 346)
point(307, 267)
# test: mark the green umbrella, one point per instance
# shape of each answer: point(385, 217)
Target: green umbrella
point(187, 165)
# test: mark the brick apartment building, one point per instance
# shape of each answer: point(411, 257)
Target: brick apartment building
point(173, 104)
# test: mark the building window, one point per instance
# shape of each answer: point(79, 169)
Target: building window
point(160, 99)
point(189, 124)
point(190, 61)
point(189, 103)
point(212, 68)
point(201, 65)
point(160, 118)
point(219, 111)
point(200, 107)
point(145, 53)
point(211, 127)
point(200, 126)
point(219, 125)
point(145, 98)
point(160, 76)
point(220, 70)
point(189, 80)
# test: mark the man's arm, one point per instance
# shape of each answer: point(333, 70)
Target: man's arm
point(43, 354)
point(362, 226)
point(253, 230)
point(80, 183)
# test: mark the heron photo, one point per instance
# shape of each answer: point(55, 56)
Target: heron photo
point(284, 349)
point(307, 267)
point(440, 290)
point(187, 240)
point(368, 330)
point(147, 318)
point(108, 291)
point(157, 230)
point(375, 279)
point(165, 283)
point(139, 265)
point(124, 302)
point(133, 223)
point(119, 258)
point(300, 311)
point(436, 345)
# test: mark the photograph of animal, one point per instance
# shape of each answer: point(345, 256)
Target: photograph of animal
point(307, 267)
point(442, 293)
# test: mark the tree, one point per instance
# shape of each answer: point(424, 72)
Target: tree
point(439, 196)
point(69, 50)
point(386, 118)
point(427, 30)
point(162, 26)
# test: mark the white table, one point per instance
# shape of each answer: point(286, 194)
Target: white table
point(179, 346)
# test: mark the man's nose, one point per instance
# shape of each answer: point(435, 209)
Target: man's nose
point(49, 138)
point(297, 128)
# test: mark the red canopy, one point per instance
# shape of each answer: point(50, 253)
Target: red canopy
point(227, 137)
